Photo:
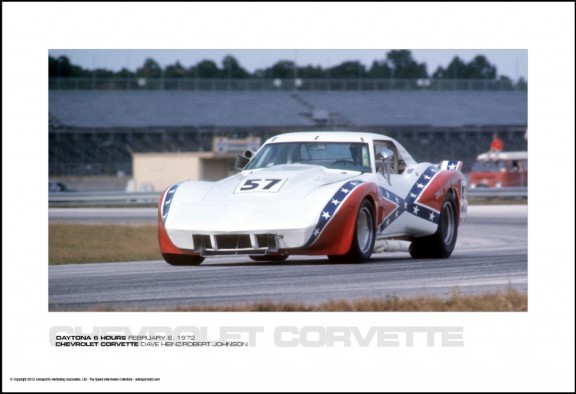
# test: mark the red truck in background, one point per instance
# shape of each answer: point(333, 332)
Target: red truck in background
point(499, 169)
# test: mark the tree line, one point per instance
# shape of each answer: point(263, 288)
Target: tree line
point(398, 64)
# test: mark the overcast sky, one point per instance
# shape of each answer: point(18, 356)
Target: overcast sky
point(510, 62)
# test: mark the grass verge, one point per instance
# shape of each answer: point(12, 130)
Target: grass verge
point(99, 243)
point(505, 301)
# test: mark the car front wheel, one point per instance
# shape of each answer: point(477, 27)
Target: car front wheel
point(364, 237)
point(182, 259)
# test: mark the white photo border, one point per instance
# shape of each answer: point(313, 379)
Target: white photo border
point(503, 351)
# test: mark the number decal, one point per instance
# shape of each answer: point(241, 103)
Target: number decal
point(271, 184)
point(250, 184)
point(260, 185)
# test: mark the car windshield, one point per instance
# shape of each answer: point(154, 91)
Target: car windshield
point(336, 155)
point(489, 166)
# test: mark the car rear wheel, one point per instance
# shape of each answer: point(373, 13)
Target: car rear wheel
point(364, 237)
point(440, 244)
point(182, 259)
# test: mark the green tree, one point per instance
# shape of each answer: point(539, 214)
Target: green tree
point(350, 69)
point(439, 73)
point(150, 69)
point(457, 69)
point(62, 68)
point(403, 66)
point(480, 68)
point(282, 69)
point(522, 84)
point(505, 83)
point(207, 69)
point(311, 72)
point(175, 71)
point(103, 73)
point(379, 69)
point(232, 69)
point(125, 73)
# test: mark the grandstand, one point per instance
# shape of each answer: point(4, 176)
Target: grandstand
point(94, 132)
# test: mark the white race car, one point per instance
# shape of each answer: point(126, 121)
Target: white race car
point(345, 195)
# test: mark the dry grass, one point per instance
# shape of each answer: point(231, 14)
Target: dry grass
point(506, 301)
point(83, 243)
point(510, 301)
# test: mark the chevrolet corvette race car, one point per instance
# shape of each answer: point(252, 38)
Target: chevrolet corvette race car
point(345, 195)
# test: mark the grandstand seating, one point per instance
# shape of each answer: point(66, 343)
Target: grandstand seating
point(424, 108)
point(103, 109)
point(175, 109)
point(94, 132)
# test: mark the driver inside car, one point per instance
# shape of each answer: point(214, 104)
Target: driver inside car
point(356, 152)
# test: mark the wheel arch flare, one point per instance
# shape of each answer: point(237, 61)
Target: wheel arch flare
point(334, 230)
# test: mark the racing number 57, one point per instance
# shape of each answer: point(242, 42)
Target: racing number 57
point(260, 185)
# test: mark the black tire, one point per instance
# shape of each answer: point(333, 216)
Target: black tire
point(276, 258)
point(440, 244)
point(182, 259)
point(364, 237)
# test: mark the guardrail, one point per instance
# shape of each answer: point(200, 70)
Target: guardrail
point(65, 199)
point(501, 192)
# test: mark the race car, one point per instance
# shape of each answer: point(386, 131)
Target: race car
point(345, 195)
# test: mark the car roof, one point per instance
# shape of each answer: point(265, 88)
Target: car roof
point(330, 136)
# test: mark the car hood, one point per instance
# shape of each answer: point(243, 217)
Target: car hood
point(295, 199)
point(293, 181)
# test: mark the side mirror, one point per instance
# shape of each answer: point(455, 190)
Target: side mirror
point(243, 159)
point(385, 156)
point(384, 153)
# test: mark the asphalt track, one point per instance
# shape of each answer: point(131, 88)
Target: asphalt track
point(491, 254)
